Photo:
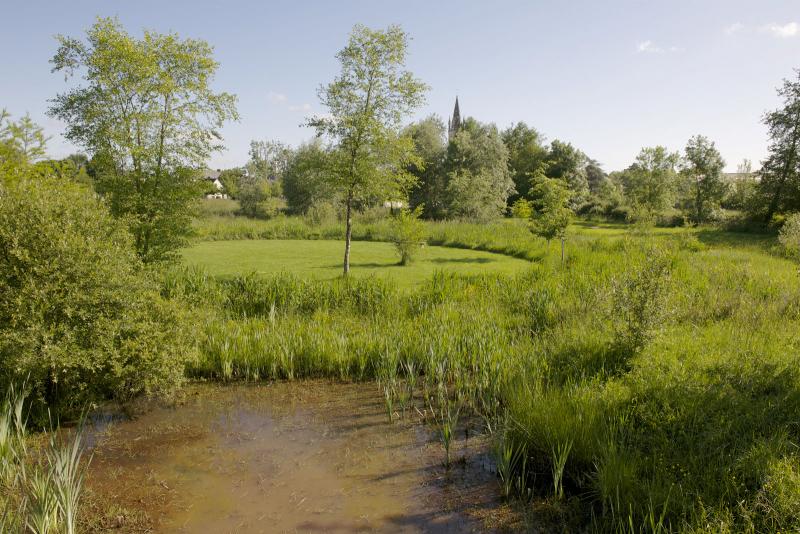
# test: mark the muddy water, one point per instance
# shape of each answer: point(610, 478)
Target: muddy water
point(299, 457)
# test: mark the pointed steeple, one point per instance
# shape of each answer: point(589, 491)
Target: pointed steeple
point(454, 124)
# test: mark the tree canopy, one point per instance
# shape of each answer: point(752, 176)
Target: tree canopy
point(147, 115)
point(367, 102)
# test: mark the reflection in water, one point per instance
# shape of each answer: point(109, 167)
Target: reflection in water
point(307, 456)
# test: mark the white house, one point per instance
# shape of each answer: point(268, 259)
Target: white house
point(212, 179)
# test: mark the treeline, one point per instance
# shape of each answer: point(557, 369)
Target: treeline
point(484, 173)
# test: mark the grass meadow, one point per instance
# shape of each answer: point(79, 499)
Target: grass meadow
point(650, 383)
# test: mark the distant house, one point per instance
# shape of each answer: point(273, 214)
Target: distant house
point(211, 179)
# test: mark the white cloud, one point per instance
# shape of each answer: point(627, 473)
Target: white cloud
point(734, 28)
point(276, 98)
point(304, 107)
point(649, 47)
point(783, 31)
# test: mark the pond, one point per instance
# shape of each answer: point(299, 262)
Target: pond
point(312, 456)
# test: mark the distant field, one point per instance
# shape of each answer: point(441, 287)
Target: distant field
point(322, 259)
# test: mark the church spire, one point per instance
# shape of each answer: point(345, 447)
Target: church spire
point(454, 124)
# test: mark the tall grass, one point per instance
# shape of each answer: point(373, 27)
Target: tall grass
point(41, 489)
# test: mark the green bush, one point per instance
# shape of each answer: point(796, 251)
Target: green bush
point(80, 318)
point(408, 234)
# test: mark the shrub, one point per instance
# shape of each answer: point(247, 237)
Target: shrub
point(408, 234)
point(80, 318)
point(639, 302)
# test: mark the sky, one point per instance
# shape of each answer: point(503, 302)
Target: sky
point(608, 76)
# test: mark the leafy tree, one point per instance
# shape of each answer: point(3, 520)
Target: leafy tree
point(260, 186)
point(779, 188)
point(527, 154)
point(595, 175)
point(306, 182)
point(552, 215)
point(80, 319)
point(429, 143)
point(146, 114)
point(367, 103)
point(567, 163)
point(478, 180)
point(21, 143)
point(650, 182)
point(231, 180)
point(704, 166)
point(268, 160)
point(25, 136)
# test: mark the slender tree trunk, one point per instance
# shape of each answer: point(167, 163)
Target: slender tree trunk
point(348, 233)
point(562, 251)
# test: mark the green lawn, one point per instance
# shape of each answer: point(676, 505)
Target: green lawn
point(323, 259)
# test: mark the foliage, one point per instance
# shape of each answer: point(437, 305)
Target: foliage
point(478, 180)
point(147, 116)
point(527, 154)
point(306, 182)
point(429, 144)
point(23, 137)
point(552, 215)
point(408, 236)
point(367, 102)
point(704, 172)
point(38, 495)
point(789, 235)
point(522, 209)
point(649, 183)
point(567, 163)
point(639, 302)
point(779, 188)
point(78, 315)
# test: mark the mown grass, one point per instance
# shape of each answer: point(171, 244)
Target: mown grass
point(649, 384)
point(322, 259)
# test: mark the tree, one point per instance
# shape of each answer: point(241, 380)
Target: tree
point(27, 138)
point(430, 145)
point(306, 182)
point(260, 186)
point(567, 163)
point(552, 215)
point(231, 179)
point(595, 176)
point(526, 155)
point(149, 119)
point(704, 166)
point(21, 143)
point(367, 103)
point(649, 183)
point(478, 180)
point(779, 188)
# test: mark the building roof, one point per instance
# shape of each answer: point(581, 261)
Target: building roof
point(209, 174)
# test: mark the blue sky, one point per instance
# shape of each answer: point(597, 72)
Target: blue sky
point(608, 76)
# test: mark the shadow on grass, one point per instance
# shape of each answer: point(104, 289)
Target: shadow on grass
point(722, 238)
point(462, 260)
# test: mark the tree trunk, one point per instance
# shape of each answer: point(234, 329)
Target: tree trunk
point(348, 233)
point(562, 251)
